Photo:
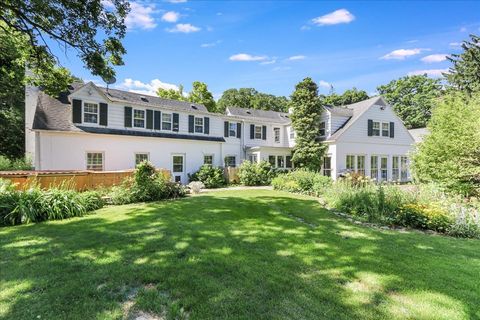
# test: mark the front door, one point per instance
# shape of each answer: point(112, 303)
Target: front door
point(178, 168)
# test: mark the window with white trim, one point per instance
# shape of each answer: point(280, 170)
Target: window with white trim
point(395, 168)
point(276, 134)
point(404, 168)
point(385, 129)
point(323, 130)
point(198, 125)
point(272, 161)
point(350, 163)
point(138, 118)
point(140, 157)
point(95, 161)
point(288, 161)
point(374, 167)
point(292, 133)
point(177, 164)
point(327, 166)
point(258, 132)
point(90, 112)
point(253, 158)
point(376, 129)
point(208, 159)
point(361, 165)
point(384, 168)
point(230, 161)
point(280, 162)
point(232, 129)
point(166, 121)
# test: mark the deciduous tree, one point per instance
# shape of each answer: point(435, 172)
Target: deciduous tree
point(201, 95)
point(413, 98)
point(348, 97)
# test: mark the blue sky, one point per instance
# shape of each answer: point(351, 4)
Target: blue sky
point(271, 46)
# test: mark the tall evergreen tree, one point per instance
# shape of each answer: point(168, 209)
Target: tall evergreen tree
point(307, 110)
point(465, 72)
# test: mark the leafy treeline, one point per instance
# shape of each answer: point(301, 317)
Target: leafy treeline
point(251, 99)
point(199, 94)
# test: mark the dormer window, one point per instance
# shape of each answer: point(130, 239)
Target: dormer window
point(90, 113)
point(322, 129)
point(139, 118)
point(166, 121)
point(143, 99)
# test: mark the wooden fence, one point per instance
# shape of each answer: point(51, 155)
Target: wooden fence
point(231, 174)
point(78, 180)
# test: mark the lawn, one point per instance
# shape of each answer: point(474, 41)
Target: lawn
point(254, 254)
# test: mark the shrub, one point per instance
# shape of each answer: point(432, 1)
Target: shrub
point(423, 216)
point(7, 164)
point(211, 177)
point(256, 174)
point(91, 200)
point(302, 181)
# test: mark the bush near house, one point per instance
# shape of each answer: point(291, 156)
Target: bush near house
point(302, 181)
point(422, 207)
point(256, 174)
point(145, 185)
point(210, 176)
point(7, 164)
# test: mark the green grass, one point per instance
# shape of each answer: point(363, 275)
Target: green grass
point(254, 254)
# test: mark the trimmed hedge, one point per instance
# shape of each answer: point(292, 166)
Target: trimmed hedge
point(256, 174)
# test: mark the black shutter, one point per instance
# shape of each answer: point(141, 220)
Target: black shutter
point(392, 130)
point(149, 119)
point(103, 114)
point(206, 125)
point(77, 111)
point(157, 119)
point(239, 130)
point(225, 129)
point(191, 124)
point(264, 132)
point(252, 131)
point(370, 127)
point(175, 122)
point(128, 117)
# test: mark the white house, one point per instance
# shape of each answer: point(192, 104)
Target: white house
point(95, 128)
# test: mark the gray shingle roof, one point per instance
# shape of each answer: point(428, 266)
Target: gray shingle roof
point(340, 111)
point(418, 134)
point(357, 110)
point(281, 117)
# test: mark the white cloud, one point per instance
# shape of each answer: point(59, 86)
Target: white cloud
point(140, 16)
point(434, 73)
point(299, 57)
point(146, 88)
point(435, 58)
point(455, 44)
point(281, 68)
point(463, 29)
point(209, 45)
point(184, 28)
point(335, 17)
point(305, 28)
point(324, 84)
point(271, 61)
point(401, 54)
point(176, 1)
point(171, 16)
point(247, 57)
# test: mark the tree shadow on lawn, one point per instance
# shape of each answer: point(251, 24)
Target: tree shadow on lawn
point(227, 255)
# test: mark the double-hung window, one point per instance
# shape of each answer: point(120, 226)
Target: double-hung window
point(280, 161)
point(271, 159)
point(374, 167)
point(376, 128)
point(95, 161)
point(395, 168)
point(385, 129)
point(404, 168)
point(327, 166)
point(350, 163)
point(90, 112)
point(230, 161)
point(258, 132)
point(288, 161)
point(276, 134)
point(292, 133)
point(139, 118)
point(384, 168)
point(140, 157)
point(198, 125)
point(232, 129)
point(322, 129)
point(166, 121)
point(361, 165)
